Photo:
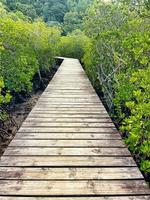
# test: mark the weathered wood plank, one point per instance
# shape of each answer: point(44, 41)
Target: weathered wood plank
point(82, 76)
point(60, 136)
point(57, 111)
point(22, 173)
point(62, 77)
point(79, 105)
point(43, 108)
point(47, 104)
point(67, 143)
point(67, 119)
point(66, 161)
point(67, 124)
point(91, 187)
point(71, 113)
point(64, 115)
point(73, 106)
point(68, 103)
point(67, 130)
point(57, 91)
point(67, 100)
point(86, 151)
point(65, 80)
point(68, 87)
point(61, 111)
point(69, 96)
point(128, 197)
point(79, 94)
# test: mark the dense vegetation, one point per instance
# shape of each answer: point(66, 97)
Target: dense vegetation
point(26, 48)
point(73, 44)
point(49, 10)
point(111, 39)
point(65, 13)
point(117, 60)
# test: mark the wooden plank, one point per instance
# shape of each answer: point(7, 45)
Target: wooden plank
point(22, 173)
point(68, 105)
point(65, 78)
point(72, 119)
point(67, 124)
point(80, 75)
point(44, 108)
point(61, 77)
point(62, 74)
point(69, 92)
point(48, 109)
point(67, 143)
point(86, 151)
point(128, 197)
point(59, 87)
point(52, 188)
point(66, 161)
point(61, 136)
point(59, 80)
point(78, 96)
point(67, 130)
point(73, 92)
point(70, 83)
point(73, 106)
point(63, 115)
point(66, 100)
point(44, 95)
point(87, 113)
point(71, 87)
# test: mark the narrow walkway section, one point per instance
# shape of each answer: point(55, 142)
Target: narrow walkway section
point(69, 149)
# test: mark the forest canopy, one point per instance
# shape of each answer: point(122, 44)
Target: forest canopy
point(65, 13)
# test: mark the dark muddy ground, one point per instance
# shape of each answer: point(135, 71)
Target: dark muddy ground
point(17, 113)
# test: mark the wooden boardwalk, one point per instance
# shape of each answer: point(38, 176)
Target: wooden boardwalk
point(69, 149)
